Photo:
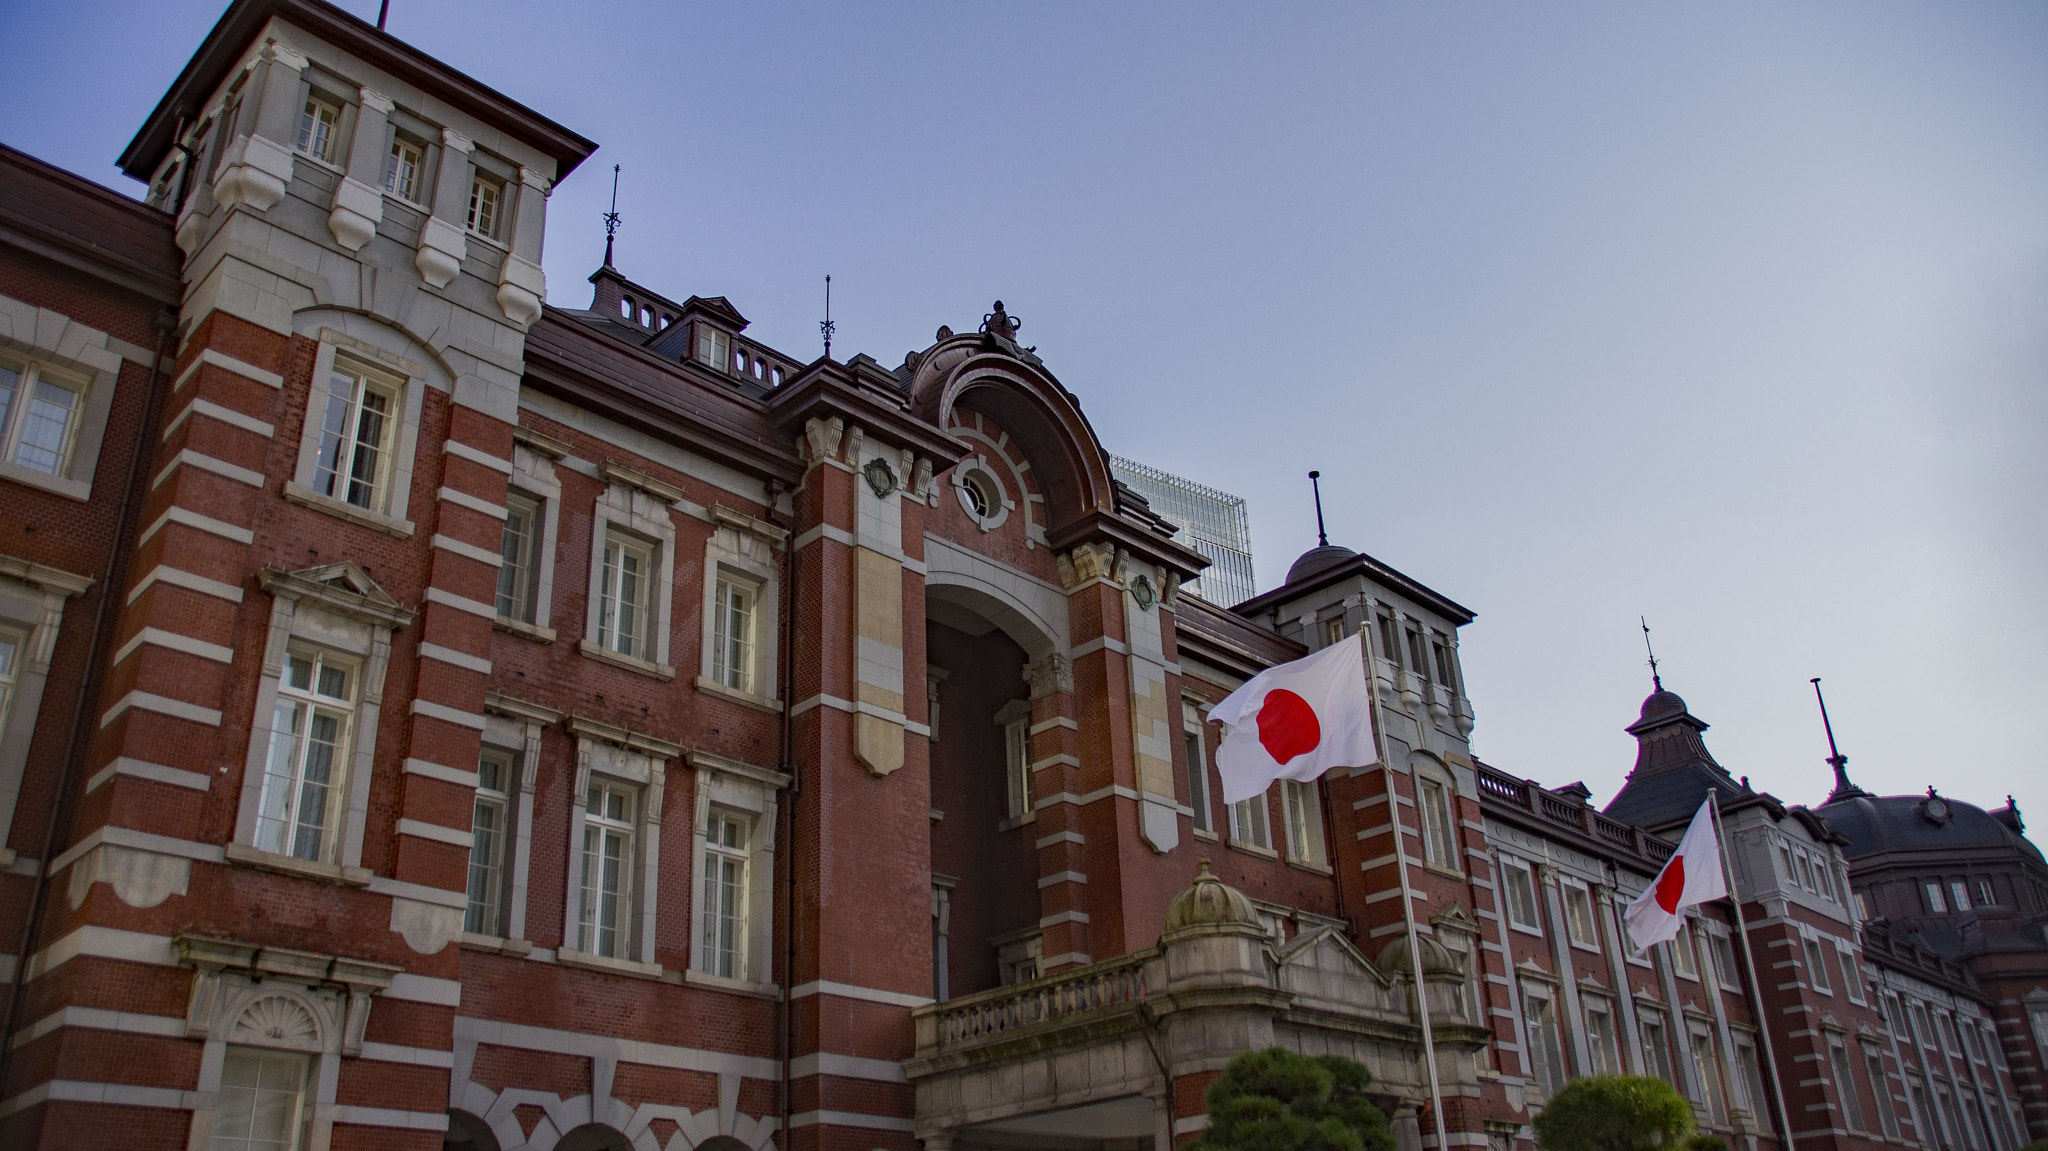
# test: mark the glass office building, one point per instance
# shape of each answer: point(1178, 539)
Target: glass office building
point(1211, 522)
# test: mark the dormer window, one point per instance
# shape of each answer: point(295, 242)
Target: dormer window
point(714, 348)
point(317, 127)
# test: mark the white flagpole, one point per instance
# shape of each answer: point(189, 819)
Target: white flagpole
point(1379, 742)
point(1749, 962)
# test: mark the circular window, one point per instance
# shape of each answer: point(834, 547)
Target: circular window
point(981, 494)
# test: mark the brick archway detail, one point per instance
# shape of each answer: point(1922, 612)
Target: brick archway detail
point(693, 1129)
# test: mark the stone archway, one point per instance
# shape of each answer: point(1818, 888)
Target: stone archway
point(594, 1137)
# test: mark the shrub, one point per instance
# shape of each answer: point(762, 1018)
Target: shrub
point(1276, 1100)
point(1615, 1113)
point(1705, 1142)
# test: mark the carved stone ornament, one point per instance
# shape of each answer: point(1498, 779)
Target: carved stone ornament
point(880, 476)
point(1141, 590)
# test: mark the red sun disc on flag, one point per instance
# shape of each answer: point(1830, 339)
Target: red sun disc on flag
point(1671, 885)
point(1287, 725)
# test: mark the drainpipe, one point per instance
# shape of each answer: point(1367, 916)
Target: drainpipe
point(787, 1040)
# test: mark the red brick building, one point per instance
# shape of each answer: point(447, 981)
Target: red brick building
point(432, 718)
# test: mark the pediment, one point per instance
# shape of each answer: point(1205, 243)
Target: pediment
point(1455, 918)
point(341, 586)
point(1326, 949)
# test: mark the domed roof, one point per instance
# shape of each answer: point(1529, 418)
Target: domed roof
point(1920, 822)
point(1437, 960)
point(1210, 902)
point(1661, 703)
point(1319, 559)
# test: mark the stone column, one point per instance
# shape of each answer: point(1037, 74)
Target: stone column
point(1677, 1033)
point(1617, 967)
point(1062, 845)
point(521, 284)
point(1573, 1023)
point(359, 197)
point(258, 164)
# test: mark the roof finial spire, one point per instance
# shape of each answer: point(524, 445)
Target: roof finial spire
point(1843, 788)
point(825, 325)
point(1656, 680)
point(1315, 482)
point(611, 218)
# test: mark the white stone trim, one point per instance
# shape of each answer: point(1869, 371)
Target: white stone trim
point(192, 519)
point(229, 416)
point(439, 834)
point(461, 450)
point(76, 350)
point(847, 1067)
point(489, 559)
point(221, 359)
point(854, 991)
point(163, 573)
point(446, 714)
point(461, 603)
point(205, 463)
point(102, 943)
point(635, 513)
point(219, 653)
point(851, 1119)
point(473, 503)
point(162, 705)
point(143, 769)
point(431, 770)
point(450, 656)
point(395, 1053)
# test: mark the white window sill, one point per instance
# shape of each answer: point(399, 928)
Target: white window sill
point(246, 856)
point(584, 959)
point(602, 654)
point(1310, 866)
point(517, 948)
point(696, 978)
point(746, 699)
point(1591, 948)
point(1440, 869)
point(1017, 821)
point(1201, 833)
point(1523, 928)
point(318, 162)
point(1250, 848)
point(491, 242)
point(62, 485)
point(307, 497)
point(524, 630)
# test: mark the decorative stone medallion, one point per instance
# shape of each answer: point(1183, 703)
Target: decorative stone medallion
point(881, 478)
point(1141, 590)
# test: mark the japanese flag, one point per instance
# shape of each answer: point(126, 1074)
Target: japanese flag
point(1296, 721)
point(1691, 876)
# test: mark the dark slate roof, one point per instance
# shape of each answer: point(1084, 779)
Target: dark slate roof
point(1674, 770)
point(1316, 559)
point(1899, 823)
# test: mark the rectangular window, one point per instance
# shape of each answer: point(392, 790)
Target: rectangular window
point(1947, 1026)
point(1961, 894)
point(1816, 965)
point(1390, 647)
point(1708, 1068)
point(355, 439)
point(485, 197)
point(714, 347)
point(1873, 1065)
point(1017, 766)
point(1439, 834)
point(308, 756)
point(1923, 1034)
point(607, 879)
point(1304, 822)
point(1444, 676)
point(2038, 1018)
point(1416, 662)
point(1852, 974)
point(1249, 823)
point(1753, 1081)
point(519, 573)
point(1682, 958)
point(402, 171)
point(1724, 959)
point(1333, 631)
point(316, 128)
point(722, 911)
point(261, 1105)
point(1600, 1035)
point(1547, 1051)
point(625, 596)
point(489, 832)
point(1519, 891)
point(1785, 862)
point(1845, 1084)
point(39, 416)
point(1806, 871)
point(1579, 921)
point(1985, 898)
point(1935, 902)
point(732, 634)
point(10, 672)
point(1862, 907)
point(1198, 769)
point(1656, 1045)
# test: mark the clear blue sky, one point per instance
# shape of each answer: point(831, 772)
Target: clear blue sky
point(1732, 315)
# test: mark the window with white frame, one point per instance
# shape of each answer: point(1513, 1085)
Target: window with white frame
point(1656, 1043)
point(519, 552)
point(625, 595)
point(1546, 1048)
point(1679, 946)
point(1599, 1011)
point(497, 774)
point(307, 764)
point(1935, 902)
point(714, 347)
point(1518, 896)
point(486, 205)
point(358, 418)
point(1751, 1069)
point(1439, 834)
point(1960, 893)
point(722, 905)
point(1198, 767)
point(2037, 1020)
point(1724, 958)
point(605, 927)
point(1923, 1031)
point(40, 414)
point(261, 1105)
point(1581, 926)
point(1816, 965)
point(1845, 1083)
point(1304, 818)
point(1852, 973)
point(404, 174)
point(733, 608)
point(1708, 1067)
point(1014, 718)
point(1985, 896)
point(11, 645)
point(319, 127)
point(1249, 824)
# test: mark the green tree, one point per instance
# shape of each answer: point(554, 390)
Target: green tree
point(1276, 1100)
point(1614, 1113)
